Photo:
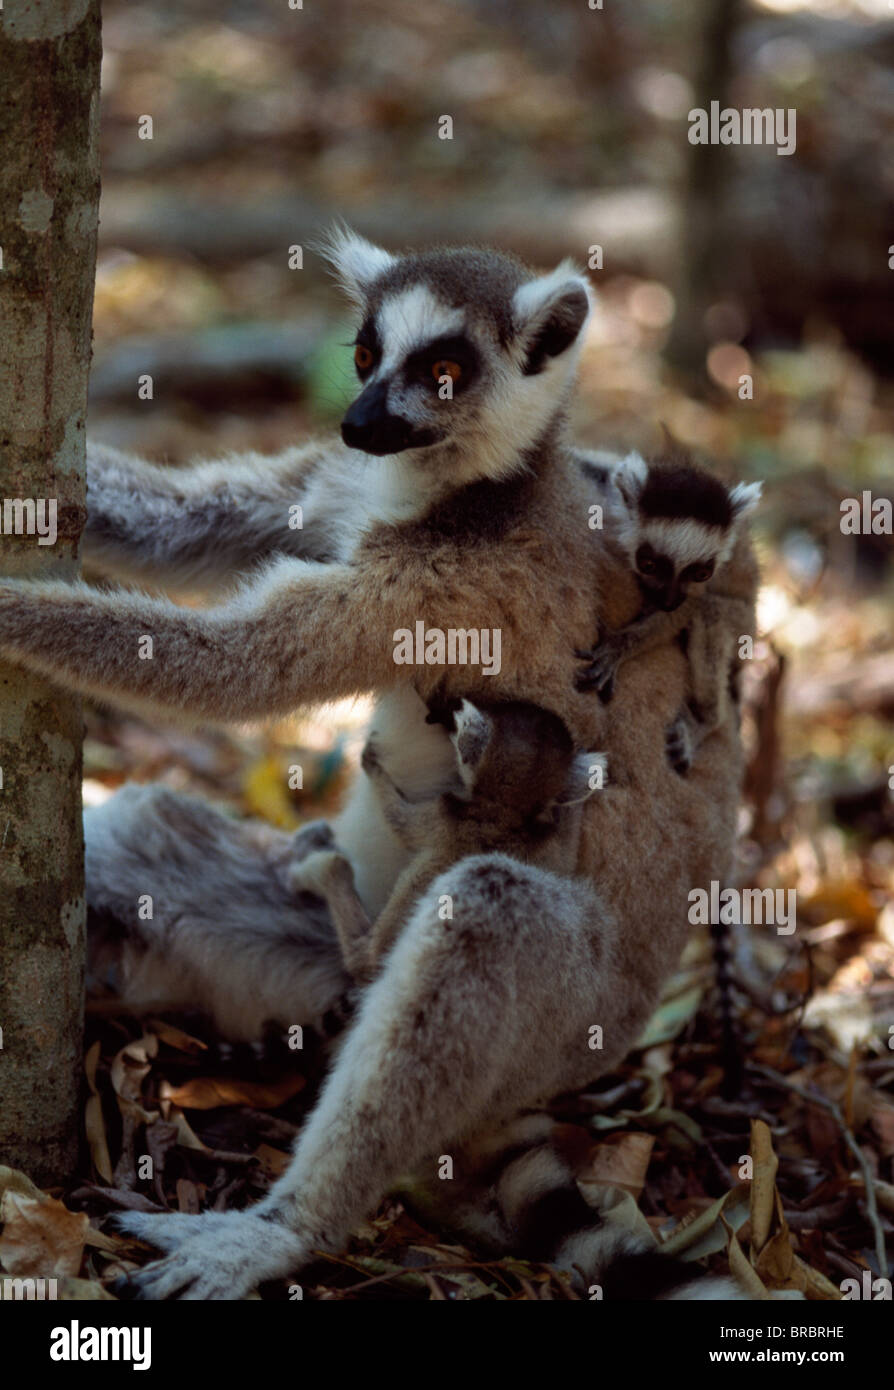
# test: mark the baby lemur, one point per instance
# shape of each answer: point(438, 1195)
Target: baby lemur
point(520, 788)
point(681, 530)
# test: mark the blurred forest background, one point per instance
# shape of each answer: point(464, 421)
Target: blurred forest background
point(570, 130)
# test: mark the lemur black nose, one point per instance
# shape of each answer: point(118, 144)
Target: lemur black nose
point(672, 602)
point(370, 426)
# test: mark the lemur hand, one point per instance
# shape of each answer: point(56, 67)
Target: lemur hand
point(602, 665)
point(320, 872)
point(216, 1255)
point(679, 745)
point(317, 834)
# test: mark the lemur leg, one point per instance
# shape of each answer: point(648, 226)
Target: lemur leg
point(202, 525)
point(711, 650)
point(458, 1031)
point(329, 874)
point(416, 878)
point(189, 907)
point(614, 648)
point(682, 740)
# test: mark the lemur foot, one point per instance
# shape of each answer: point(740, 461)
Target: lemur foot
point(320, 871)
point(215, 1255)
point(317, 834)
point(679, 745)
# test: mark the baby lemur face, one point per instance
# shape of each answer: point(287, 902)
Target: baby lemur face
point(518, 765)
point(457, 351)
point(677, 525)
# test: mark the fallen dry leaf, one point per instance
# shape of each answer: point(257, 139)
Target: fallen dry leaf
point(209, 1092)
point(40, 1236)
point(132, 1064)
point(742, 1269)
point(176, 1037)
point(763, 1184)
point(621, 1160)
point(273, 1161)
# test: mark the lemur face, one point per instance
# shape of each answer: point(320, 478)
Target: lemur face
point(665, 581)
point(464, 356)
point(518, 765)
point(677, 524)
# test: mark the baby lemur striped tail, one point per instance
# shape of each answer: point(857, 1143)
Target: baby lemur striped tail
point(520, 787)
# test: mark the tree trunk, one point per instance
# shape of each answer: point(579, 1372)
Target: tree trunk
point(704, 246)
point(49, 192)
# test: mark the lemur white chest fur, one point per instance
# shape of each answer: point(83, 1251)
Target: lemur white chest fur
point(422, 761)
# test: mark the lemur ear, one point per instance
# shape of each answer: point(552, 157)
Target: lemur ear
point(357, 263)
point(549, 313)
point(743, 498)
point(629, 476)
point(588, 773)
point(472, 733)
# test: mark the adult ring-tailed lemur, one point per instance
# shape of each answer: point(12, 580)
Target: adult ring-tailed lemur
point(463, 507)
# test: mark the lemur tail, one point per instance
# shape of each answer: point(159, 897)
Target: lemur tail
point(189, 906)
point(730, 1040)
point(527, 1174)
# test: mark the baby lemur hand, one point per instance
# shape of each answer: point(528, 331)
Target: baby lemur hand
point(613, 648)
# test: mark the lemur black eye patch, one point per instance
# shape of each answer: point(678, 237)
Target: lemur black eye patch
point(455, 348)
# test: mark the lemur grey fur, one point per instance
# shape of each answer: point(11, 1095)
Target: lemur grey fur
point(521, 790)
point(681, 531)
point(480, 520)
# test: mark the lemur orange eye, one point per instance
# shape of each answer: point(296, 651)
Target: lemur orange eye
point(698, 573)
point(363, 358)
point(445, 367)
point(646, 566)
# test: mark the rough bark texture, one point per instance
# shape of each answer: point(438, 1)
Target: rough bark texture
point(49, 195)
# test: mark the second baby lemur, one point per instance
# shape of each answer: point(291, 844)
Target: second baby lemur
point(681, 531)
point(520, 786)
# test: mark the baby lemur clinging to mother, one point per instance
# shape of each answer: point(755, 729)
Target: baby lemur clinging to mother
point(681, 530)
point(520, 786)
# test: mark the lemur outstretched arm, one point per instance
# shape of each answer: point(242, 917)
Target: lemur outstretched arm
point(199, 526)
point(277, 644)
